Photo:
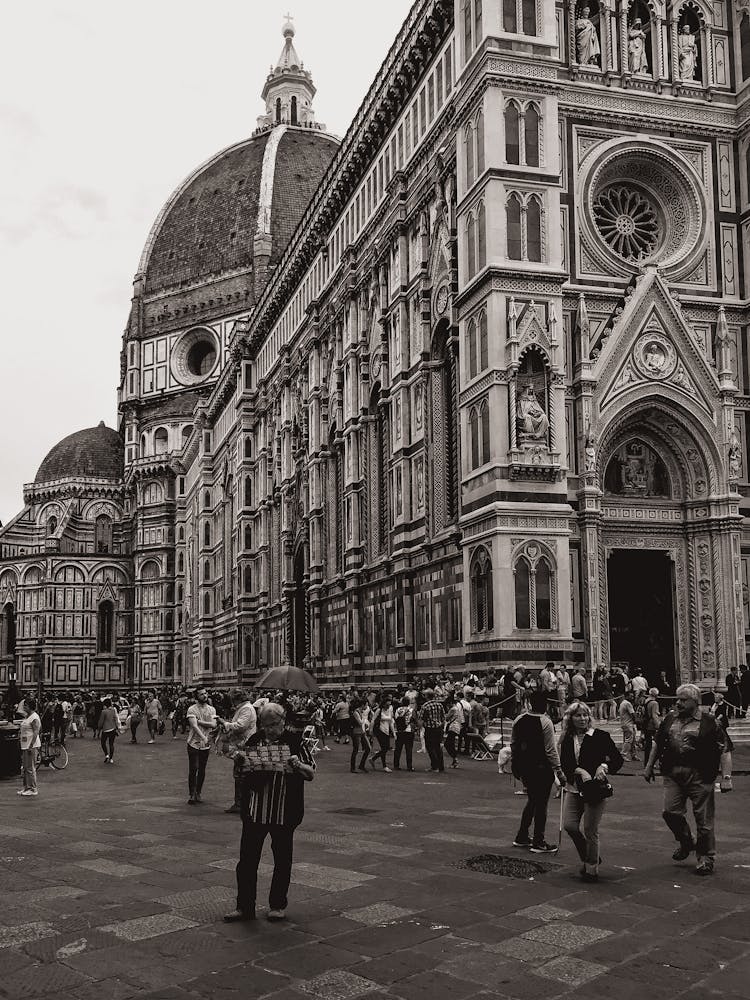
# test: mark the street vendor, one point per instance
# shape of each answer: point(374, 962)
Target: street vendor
point(272, 802)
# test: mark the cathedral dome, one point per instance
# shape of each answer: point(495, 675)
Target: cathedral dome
point(260, 186)
point(93, 453)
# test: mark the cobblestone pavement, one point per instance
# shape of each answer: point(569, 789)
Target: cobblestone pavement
point(112, 886)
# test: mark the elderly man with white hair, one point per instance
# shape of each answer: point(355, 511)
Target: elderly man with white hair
point(688, 747)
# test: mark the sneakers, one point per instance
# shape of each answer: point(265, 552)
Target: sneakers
point(106, 758)
point(544, 848)
point(192, 801)
point(387, 769)
point(683, 851)
point(151, 741)
point(20, 791)
point(29, 791)
point(705, 867)
point(236, 915)
point(276, 915)
point(522, 842)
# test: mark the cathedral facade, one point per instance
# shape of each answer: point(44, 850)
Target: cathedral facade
point(465, 388)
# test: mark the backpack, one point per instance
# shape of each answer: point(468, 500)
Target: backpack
point(401, 723)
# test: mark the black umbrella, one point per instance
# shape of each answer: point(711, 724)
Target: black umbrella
point(288, 679)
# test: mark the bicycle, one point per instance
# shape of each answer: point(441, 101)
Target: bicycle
point(51, 754)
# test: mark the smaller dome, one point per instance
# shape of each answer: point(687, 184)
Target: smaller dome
point(93, 453)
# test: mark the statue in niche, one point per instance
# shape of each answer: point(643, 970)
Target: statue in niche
point(637, 58)
point(587, 40)
point(687, 53)
point(589, 453)
point(735, 457)
point(531, 419)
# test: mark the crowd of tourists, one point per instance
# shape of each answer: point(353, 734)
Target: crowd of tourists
point(271, 738)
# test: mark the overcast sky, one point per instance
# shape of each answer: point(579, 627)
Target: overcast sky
point(104, 108)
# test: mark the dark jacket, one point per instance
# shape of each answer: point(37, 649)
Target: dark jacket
point(704, 757)
point(597, 748)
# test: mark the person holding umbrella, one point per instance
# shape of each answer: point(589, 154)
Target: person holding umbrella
point(272, 805)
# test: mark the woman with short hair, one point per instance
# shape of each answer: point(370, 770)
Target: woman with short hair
point(587, 757)
point(30, 726)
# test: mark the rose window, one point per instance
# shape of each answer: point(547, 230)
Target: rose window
point(627, 221)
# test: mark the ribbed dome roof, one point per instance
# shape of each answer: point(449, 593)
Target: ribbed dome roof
point(207, 227)
point(94, 453)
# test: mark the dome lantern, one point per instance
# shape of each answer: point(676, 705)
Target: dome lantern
point(289, 89)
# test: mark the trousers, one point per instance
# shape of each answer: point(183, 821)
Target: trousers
point(685, 785)
point(251, 848)
point(538, 785)
point(28, 761)
point(404, 741)
point(576, 811)
point(197, 760)
point(108, 742)
point(433, 738)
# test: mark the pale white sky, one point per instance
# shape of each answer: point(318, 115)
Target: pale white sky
point(104, 108)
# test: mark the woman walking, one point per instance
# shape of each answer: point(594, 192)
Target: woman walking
point(31, 726)
point(454, 717)
point(405, 722)
point(587, 757)
point(109, 727)
point(359, 713)
point(136, 718)
point(384, 730)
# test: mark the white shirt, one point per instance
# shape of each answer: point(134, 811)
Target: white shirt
point(29, 738)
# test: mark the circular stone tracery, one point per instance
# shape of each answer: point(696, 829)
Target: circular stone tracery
point(643, 204)
point(627, 222)
point(195, 356)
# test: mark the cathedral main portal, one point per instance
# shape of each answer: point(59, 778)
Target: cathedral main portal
point(640, 588)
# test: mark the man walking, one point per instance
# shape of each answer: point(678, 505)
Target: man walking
point(688, 746)
point(273, 803)
point(432, 718)
point(154, 714)
point(627, 724)
point(535, 763)
point(578, 686)
point(202, 719)
point(234, 734)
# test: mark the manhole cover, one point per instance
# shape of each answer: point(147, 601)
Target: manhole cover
point(498, 864)
point(354, 811)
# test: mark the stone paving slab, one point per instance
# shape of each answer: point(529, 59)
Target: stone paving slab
point(376, 898)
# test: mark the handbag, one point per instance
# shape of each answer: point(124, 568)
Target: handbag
point(594, 791)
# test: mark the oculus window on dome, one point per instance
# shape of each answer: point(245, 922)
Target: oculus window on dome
point(195, 356)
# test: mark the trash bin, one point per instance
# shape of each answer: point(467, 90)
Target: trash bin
point(10, 751)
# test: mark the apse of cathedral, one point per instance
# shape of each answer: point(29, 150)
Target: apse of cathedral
point(465, 388)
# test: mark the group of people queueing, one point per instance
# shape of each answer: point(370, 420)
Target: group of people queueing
point(687, 747)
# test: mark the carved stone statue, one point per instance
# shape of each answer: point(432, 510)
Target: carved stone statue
point(735, 457)
point(687, 53)
point(587, 40)
point(531, 420)
point(637, 58)
point(589, 452)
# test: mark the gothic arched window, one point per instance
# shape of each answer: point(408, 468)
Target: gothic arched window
point(207, 500)
point(161, 441)
point(481, 236)
point(444, 478)
point(474, 437)
point(471, 339)
point(482, 611)
point(105, 618)
point(278, 110)
point(480, 144)
point(248, 539)
point(471, 247)
point(484, 413)
point(206, 604)
point(207, 533)
point(484, 355)
point(745, 43)
point(248, 491)
point(522, 578)
point(103, 534)
point(248, 447)
point(531, 135)
point(294, 111)
point(543, 595)
point(206, 660)
point(528, 17)
point(534, 229)
point(512, 133)
point(180, 563)
point(51, 525)
point(513, 223)
point(469, 148)
point(207, 570)
point(248, 580)
point(509, 16)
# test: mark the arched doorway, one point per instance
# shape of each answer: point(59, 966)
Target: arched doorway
point(299, 609)
point(661, 550)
